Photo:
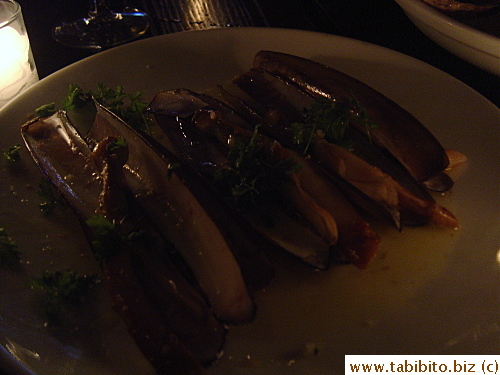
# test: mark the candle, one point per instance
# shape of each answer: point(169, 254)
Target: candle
point(14, 65)
point(17, 69)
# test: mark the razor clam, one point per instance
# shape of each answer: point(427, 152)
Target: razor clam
point(160, 185)
point(208, 157)
point(283, 104)
point(213, 123)
point(357, 242)
point(397, 130)
point(173, 327)
point(378, 185)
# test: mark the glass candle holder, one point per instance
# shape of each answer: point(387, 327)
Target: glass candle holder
point(17, 66)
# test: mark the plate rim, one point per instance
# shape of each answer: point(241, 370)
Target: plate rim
point(406, 58)
point(247, 29)
point(442, 22)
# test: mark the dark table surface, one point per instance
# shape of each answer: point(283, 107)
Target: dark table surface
point(381, 22)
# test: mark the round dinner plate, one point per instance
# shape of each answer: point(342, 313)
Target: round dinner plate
point(430, 290)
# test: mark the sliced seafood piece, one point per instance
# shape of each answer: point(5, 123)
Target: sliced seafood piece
point(183, 307)
point(286, 105)
point(456, 158)
point(397, 130)
point(279, 96)
point(280, 103)
point(363, 176)
point(160, 188)
point(357, 241)
point(91, 186)
point(322, 222)
point(294, 237)
point(208, 157)
point(377, 185)
point(66, 160)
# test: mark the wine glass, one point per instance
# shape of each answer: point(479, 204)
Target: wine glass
point(102, 28)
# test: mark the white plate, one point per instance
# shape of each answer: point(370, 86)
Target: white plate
point(429, 291)
point(470, 44)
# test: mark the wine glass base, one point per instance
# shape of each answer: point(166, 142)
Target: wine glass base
point(101, 32)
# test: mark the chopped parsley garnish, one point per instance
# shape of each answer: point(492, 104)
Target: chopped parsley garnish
point(252, 179)
point(9, 255)
point(46, 110)
point(51, 199)
point(107, 240)
point(76, 98)
point(129, 107)
point(329, 119)
point(60, 288)
point(118, 144)
point(12, 154)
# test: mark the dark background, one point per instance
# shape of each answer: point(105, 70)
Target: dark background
point(380, 22)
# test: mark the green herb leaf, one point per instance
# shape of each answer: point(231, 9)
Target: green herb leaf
point(329, 119)
point(46, 110)
point(59, 288)
point(51, 200)
point(129, 107)
point(118, 144)
point(252, 179)
point(12, 154)
point(77, 98)
point(107, 241)
point(9, 255)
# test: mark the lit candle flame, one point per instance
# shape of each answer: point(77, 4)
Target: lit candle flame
point(14, 64)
